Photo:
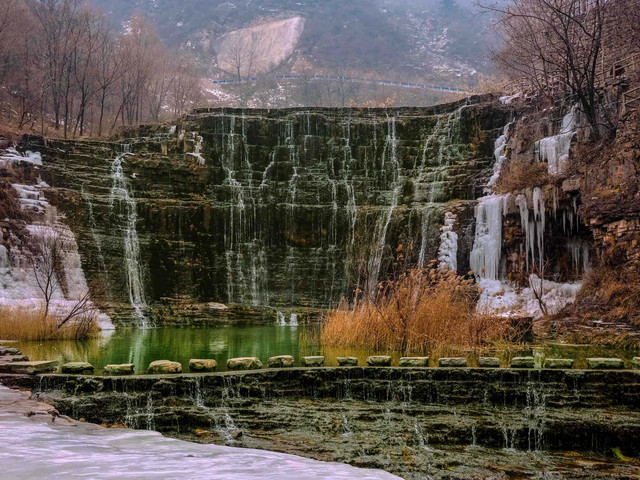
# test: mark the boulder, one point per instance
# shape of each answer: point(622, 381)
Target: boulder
point(347, 361)
point(244, 363)
point(122, 369)
point(164, 366)
point(281, 361)
point(635, 363)
point(489, 362)
point(523, 362)
point(452, 362)
point(558, 363)
point(78, 367)
point(313, 361)
point(379, 361)
point(605, 363)
point(202, 365)
point(414, 362)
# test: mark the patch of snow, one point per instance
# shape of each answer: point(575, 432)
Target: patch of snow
point(507, 99)
point(11, 156)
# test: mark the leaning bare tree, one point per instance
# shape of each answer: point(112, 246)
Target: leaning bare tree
point(554, 44)
point(49, 248)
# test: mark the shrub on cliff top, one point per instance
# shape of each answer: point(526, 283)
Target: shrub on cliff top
point(423, 310)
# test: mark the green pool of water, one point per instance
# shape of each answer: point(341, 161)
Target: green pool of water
point(141, 347)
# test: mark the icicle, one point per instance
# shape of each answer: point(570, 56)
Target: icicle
point(487, 246)
point(447, 254)
point(539, 216)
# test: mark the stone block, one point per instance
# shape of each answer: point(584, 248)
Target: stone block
point(9, 351)
point(202, 365)
point(164, 366)
point(281, 361)
point(29, 368)
point(379, 361)
point(489, 362)
point(452, 362)
point(414, 362)
point(558, 363)
point(523, 362)
point(13, 358)
point(244, 363)
point(605, 363)
point(347, 361)
point(313, 361)
point(122, 369)
point(78, 367)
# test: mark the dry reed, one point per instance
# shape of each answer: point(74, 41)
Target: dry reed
point(23, 323)
point(423, 310)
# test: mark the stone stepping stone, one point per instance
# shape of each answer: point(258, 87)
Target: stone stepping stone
point(121, 369)
point(347, 361)
point(281, 361)
point(489, 362)
point(78, 368)
point(313, 361)
point(414, 362)
point(13, 358)
point(456, 362)
point(379, 361)
point(558, 363)
point(605, 363)
point(202, 365)
point(164, 367)
point(523, 362)
point(244, 363)
point(29, 368)
point(9, 351)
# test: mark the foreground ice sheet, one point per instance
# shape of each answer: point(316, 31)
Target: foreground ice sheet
point(34, 449)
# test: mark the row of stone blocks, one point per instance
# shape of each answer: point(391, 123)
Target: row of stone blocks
point(284, 361)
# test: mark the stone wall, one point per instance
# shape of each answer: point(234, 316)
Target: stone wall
point(281, 208)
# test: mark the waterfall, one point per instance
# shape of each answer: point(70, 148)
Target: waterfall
point(375, 262)
point(120, 194)
point(487, 245)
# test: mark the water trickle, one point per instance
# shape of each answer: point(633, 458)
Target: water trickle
point(121, 198)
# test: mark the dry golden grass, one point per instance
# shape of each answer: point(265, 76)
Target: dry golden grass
point(22, 323)
point(518, 175)
point(422, 311)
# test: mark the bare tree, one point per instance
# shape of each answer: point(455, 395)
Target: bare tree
point(554, 44)
point(242, 58)
point(49, 248)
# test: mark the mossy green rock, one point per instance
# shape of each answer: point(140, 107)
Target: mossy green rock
point(605, 363)
point(379, 361)
point(635, 363)
point(164, 366)
point(523, 362)
point(489, 362)
point(313, 361)
point(347, 361)
point(78, 367)
point(121, 369)
point(558, 363)
point(414, 362)
point(452, 362)
point(281, 361)
point(244, 363)
point(202, 365)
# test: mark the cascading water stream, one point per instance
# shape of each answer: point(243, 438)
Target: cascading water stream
point(120, 194)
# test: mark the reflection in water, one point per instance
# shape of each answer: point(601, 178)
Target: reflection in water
point(141, 347)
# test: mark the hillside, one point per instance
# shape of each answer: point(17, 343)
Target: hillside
point(404, 39)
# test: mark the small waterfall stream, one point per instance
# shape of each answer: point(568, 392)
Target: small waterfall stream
point(121, 199)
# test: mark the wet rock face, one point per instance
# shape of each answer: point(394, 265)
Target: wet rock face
point(280, 208)
point(397, 417)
